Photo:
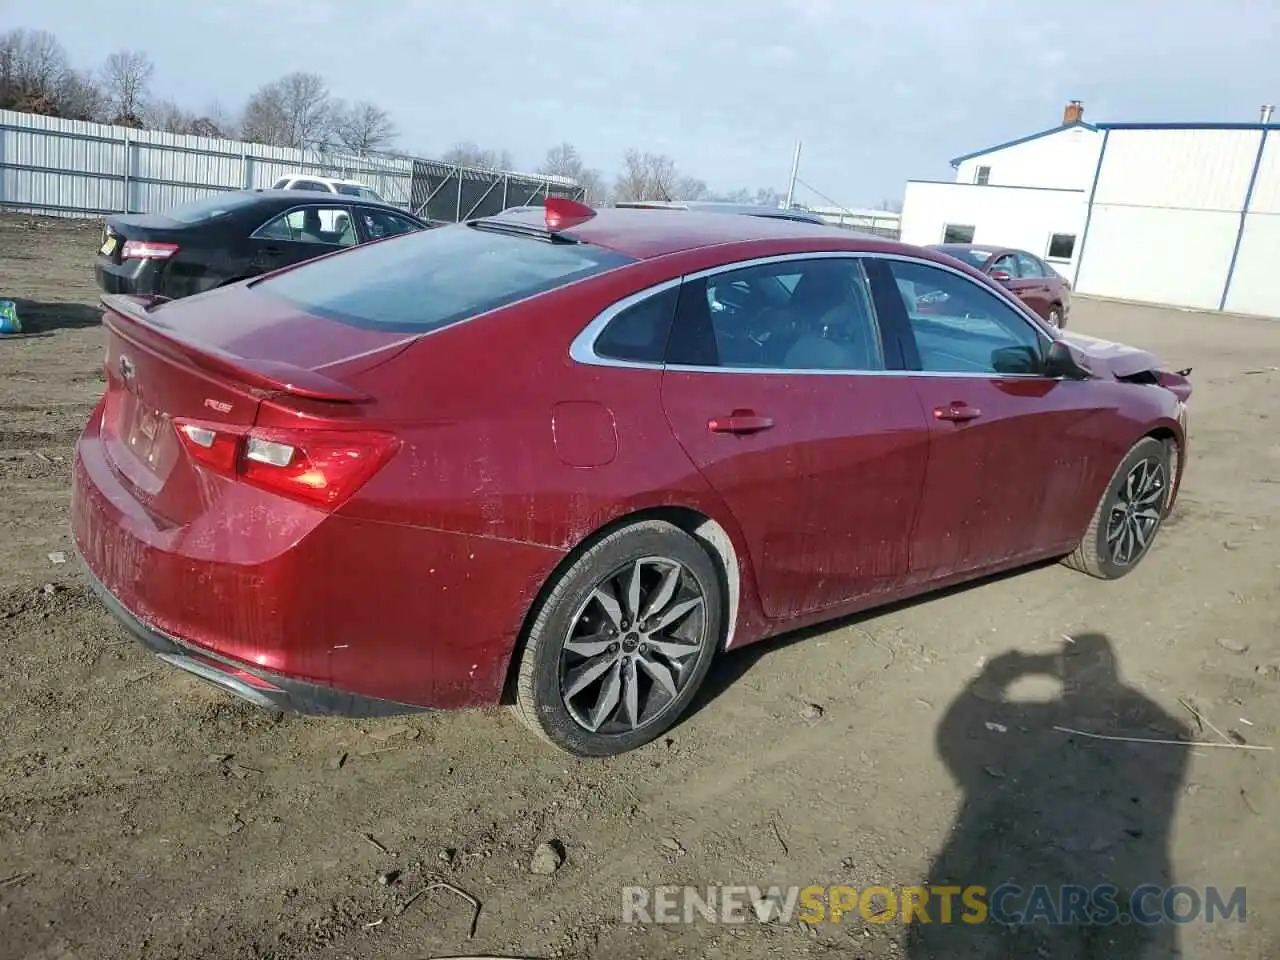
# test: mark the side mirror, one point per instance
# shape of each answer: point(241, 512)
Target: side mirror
point(1000, 276)
point(1025, 360)
point(1061, 361)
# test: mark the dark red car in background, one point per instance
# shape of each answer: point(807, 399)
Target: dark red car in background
point(1041, 287)
point(565, 459)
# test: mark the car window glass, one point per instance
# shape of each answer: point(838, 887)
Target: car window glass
point(1006, 263)
point(281, 184)
point(639, 333)
point(793, 315)
point(432, 278)
point(323, 225)
point(960, 327)
point(380, 223)
point(1029, 266)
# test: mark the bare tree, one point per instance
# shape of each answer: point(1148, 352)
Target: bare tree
point(167, 116)
point(293, 111)
point(32, 66)
point(126, 82)
point(690, 188)
point(363, 126)
point(646, 176)
point(761, 196)
point(80, 99)
point(473, 155)
point(264, 120)
point(565, 161)
point(216, 121)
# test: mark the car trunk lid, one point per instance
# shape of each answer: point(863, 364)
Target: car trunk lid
point(153, 229)
point(210, 362)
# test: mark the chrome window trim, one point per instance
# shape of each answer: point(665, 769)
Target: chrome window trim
point(582, 348)
point(343, 207)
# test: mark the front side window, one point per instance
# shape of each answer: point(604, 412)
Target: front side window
point(808, 314)
point(1029, 266)
point(320, 225)
point(427, 280)
point(1006, 264)
point(960, 327)
point(381, 223)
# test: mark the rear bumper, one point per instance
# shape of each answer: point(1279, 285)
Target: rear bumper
point(260, 687)
point(131, 276)
point(319, 607)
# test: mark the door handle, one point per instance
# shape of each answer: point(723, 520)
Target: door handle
point(956, 412)
point(739, 422)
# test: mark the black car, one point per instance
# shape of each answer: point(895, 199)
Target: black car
point(233, 236)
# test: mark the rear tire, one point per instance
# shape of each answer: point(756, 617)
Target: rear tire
point(622, 642)
point(1129, 515)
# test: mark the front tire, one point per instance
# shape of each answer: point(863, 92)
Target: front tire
point(622, 641)
point(1055, 316)
point(1130, 514)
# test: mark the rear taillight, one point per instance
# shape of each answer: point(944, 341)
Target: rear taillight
point(147, 250)
point(321, 467)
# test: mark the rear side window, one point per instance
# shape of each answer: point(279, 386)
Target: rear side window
point(638, 334)
point(427, 280)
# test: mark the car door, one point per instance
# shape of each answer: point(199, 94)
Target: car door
point(300, 233)
point(1010, 449)
point(1036, 289)
point(774, 385)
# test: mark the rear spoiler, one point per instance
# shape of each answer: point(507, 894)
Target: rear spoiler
point(129, 317)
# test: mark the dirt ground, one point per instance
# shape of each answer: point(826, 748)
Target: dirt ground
point(143, 814)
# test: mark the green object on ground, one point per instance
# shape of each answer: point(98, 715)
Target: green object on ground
point(9, 317)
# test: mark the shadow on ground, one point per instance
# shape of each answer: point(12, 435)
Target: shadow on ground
point(1045, 810)
point(728, 669)
point(40, 317)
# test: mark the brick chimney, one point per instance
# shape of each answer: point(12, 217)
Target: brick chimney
point(1074, 113)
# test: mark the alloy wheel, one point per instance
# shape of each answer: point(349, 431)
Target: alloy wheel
point(632, 646)
point(1135, 514)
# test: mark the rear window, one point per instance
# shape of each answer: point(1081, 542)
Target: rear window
point(207, 208)
point(351, 190)
point(975, 258)
point(420, 282)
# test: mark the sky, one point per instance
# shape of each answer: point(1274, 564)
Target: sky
point(878, 92)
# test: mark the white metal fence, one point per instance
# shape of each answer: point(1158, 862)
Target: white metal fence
point(71, 168)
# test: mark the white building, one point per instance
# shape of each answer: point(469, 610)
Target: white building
point(1184, 214)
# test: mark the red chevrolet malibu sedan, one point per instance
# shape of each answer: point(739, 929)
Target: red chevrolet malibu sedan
point(564, 459)
point(1028, 277)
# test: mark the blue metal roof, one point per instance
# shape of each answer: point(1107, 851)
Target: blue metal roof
point(1000, 186)
point(1029, 137)
point(1188, 126)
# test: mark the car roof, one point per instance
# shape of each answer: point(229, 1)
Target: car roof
point(320, 179)
point(655, 232)
point(295, 198)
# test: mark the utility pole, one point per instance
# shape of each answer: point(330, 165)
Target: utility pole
point(795, 173)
